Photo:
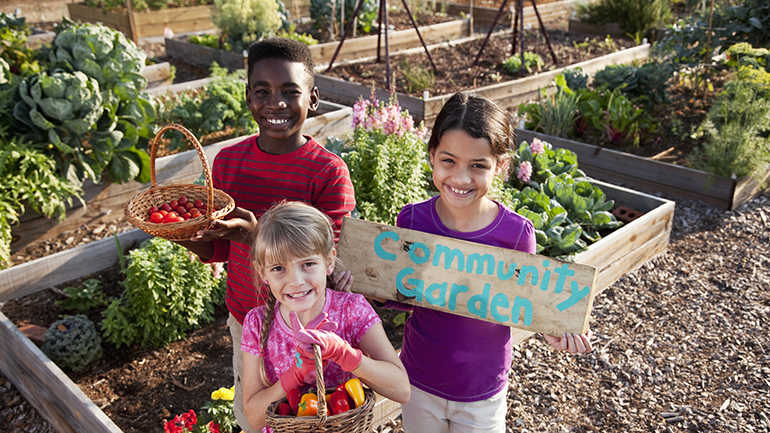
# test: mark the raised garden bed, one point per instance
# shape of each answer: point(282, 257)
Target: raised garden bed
point(63, 403)
point(105, 201)
point(646, 174)
point(505, 94)
point(149, 23)
point(352, 48)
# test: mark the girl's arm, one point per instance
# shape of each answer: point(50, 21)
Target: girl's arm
point(257, 397)
point(380, 367)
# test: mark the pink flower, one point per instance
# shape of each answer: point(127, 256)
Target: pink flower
point(525, 171)
point(537, 146)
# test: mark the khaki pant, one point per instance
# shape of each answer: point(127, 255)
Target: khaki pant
point(236, 331)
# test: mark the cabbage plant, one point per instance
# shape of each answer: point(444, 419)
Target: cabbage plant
point(89, 105)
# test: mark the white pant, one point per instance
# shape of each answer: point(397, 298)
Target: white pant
point(427, 413)
point(236, 331)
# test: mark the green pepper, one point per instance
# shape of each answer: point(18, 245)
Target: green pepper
point(355, 391)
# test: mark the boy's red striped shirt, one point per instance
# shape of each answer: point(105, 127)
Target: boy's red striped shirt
point(257, 180)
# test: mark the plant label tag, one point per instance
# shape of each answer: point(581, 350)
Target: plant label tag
point(526, 291)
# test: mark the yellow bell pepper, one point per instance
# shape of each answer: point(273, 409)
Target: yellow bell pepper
point(355, 391)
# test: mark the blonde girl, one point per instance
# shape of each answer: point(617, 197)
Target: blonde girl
point(294, 254)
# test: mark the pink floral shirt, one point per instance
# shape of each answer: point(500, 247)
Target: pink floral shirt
point(351, 311)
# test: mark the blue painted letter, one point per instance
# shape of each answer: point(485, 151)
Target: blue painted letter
point(518, 304)
point(499, 300)
point(575, 297)
point(381, 253)
point(415, 293)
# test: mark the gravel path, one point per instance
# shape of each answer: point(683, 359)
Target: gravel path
point(681, 344)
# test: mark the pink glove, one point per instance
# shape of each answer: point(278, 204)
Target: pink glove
point(333, 348)
point(302, 370)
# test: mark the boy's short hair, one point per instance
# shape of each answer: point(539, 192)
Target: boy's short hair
point(283, 49)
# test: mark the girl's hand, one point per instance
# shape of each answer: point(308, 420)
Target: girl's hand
point(238, 228)
point(574, 343)
point(332, 347)
point(343, 281)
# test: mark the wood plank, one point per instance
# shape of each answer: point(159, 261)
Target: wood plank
point(748, 188)
point(150, 23)
point(46, 387)
point(158, 74)
point(515, 290)
point(611, 29)
point(175, 15)
point(485, 15)
point(203, 56)
point(67, 265)
point(366, 46)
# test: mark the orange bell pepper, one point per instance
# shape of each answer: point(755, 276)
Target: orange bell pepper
point(355, 391)
point(308, 406)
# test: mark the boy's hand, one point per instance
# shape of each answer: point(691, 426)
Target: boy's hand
point(574, 343)
point(239, 228)
point(343, 281)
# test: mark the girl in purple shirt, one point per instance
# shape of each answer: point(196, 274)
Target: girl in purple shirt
point(294, 254)
point(458, 367)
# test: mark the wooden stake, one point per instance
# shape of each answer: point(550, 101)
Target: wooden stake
point(131, 23)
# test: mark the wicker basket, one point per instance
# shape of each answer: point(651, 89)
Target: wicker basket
point(358, 420)
point(136, 209)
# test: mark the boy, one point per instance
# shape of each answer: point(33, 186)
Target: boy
point(276, 164)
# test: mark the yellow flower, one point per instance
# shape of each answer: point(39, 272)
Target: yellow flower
point(223, 394)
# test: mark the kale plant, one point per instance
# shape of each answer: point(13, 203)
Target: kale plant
point(72, 342)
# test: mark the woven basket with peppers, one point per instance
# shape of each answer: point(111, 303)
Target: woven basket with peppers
point(346, 409)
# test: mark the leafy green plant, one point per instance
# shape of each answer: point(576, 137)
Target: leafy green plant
point(513, 64)
point(632, 16)
point(647, 83)
point(554, 115)
point(14, 32)
point(244, 22)
point(616, 116)
point(211, 41)
point(291, 33)
point(29, 178)
point(219, 106)
point(325, 12)
point(89, 105)
point(385, 154)
point(72, 342)
point(83, 298)
point(575, 78)
point(737, 128)
point(167, 293)
point(744, 54)
point(546, 186)
point(417, 78)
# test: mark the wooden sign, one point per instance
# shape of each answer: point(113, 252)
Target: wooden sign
point(520, 290)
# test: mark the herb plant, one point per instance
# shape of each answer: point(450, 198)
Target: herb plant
point(244, 22)
point(513, 64)
point(14, 32)
point(633, 16)
point(28, 178)
point(221, 105)
point(83, 298)
point(417, 78)
point(325, 12)
point(167, 293)
point(386, 156)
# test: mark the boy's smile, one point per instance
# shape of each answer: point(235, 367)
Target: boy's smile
point(279, 97)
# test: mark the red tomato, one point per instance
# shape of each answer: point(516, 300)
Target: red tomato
point(166, 207)
point(174, 204)
point(177, 219)
point(182, 201)
point(186, 215)
point(188, 205)
point(180, 210)
point(169, 217)
point(152, 210)
point(156, 218)
point(198, 203)
point(163, 212)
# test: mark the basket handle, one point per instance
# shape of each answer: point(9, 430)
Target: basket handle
point(201, 155)
point(320, 385)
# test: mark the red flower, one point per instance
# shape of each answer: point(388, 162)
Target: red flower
point(190, 419)
point(213, 428)
point(174, 426)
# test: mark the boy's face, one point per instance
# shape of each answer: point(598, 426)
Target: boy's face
point(279, 98)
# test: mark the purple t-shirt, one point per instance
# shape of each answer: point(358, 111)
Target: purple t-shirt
point(352, 313)
point(451, 356)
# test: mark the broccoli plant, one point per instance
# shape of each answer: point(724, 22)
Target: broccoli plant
point(72, 342)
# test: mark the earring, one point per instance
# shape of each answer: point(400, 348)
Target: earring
point(265, 283)
point(329, 271)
